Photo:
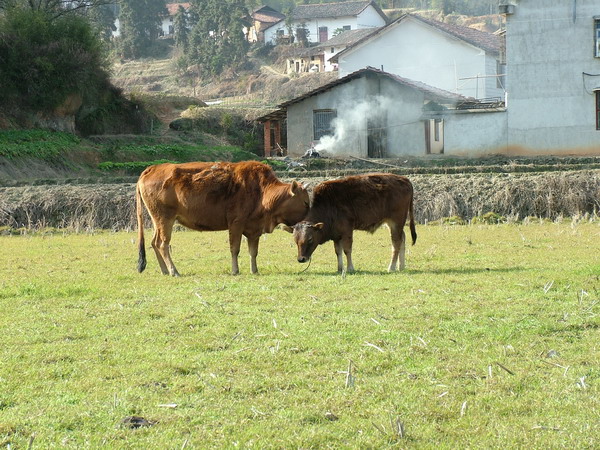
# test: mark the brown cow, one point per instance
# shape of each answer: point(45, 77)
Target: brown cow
point(245, 198)
point(362, 202)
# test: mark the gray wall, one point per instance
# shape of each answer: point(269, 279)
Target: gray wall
point(366, 97)
point(551, 106)
point(475, 133)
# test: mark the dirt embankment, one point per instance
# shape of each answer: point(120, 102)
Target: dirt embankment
point(112, 206)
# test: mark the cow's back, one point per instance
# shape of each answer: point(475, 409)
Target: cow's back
point(205, 195)
point(362, 201)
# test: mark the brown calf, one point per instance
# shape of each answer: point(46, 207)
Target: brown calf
point(362, 202)
point(245, 198)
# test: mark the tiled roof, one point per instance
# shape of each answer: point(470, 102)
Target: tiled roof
point(481, 39)
point(431, 92)
point(174, 7)
point(342, 9)
point(267, 14)
point(348, 37)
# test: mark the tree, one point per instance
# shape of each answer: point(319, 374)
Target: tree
point(102, 19)
point(45, 59)
point(54, 8)
point(180, 25)
point(139, 26)
point(217, 39)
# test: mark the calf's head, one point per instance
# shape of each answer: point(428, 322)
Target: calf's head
point(295, 206)
point(308, 236)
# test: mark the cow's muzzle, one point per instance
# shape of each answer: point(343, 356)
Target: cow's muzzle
point(303, 259)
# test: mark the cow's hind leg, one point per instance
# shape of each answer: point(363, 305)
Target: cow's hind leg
point(398, 246)
point(161, 243)
point(235, 240)
point(156, 245)
point(253, 250)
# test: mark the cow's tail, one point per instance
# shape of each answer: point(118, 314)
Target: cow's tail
point(413, 231)
point(140, 220)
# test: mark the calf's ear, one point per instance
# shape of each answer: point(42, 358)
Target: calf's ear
point(318, 226)
point(294, 188)
point(287, 228)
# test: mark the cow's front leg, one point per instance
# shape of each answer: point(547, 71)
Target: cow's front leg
point(253, 250)
point(346, 243)
point(235, 239)
point(339, 253)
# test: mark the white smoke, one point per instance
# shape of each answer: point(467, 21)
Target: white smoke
point(351, 125)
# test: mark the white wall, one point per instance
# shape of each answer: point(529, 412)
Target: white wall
point(551, 104)
point(473, 134)
point(414, 50)
point(367, 19)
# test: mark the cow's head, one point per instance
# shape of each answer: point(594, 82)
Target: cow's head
point(296, 205)
point(308, 236)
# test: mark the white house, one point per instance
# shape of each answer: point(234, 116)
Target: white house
point(458, 59)
point(322, 20)
point(260, 19)
point(167, 27)
point(553, 77)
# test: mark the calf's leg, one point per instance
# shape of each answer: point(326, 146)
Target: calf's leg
point(339, 253)
point(253, 250)
point(398, 246)
point(346, 243)
point(235, 239)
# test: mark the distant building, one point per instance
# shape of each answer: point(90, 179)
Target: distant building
point(260, 19)
point(319, 22)
point(318, 58)
point(167, 27)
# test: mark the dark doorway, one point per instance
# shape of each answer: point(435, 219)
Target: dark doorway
point(376, 138)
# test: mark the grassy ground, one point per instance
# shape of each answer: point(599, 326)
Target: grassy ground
point(490, 339)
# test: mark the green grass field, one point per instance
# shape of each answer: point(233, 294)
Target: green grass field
point(489, 339)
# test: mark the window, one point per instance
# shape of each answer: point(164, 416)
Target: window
point(346, 27)
point(323, 35)
point(597, 37)
point(322, 122)
point(597, 110)
point(501, 74)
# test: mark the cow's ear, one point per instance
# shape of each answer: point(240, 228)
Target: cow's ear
point(294, 188)
point(287, 228)
point(318, 226)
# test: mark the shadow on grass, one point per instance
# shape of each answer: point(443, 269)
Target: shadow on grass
point(448, 271)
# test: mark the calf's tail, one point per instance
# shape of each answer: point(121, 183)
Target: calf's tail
point(413, 231)
point(140, 220)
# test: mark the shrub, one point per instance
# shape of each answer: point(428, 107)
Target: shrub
point(489, 218)
point(44, 60)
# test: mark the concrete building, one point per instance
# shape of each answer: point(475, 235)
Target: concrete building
point(368, 113)
point(553, 77)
